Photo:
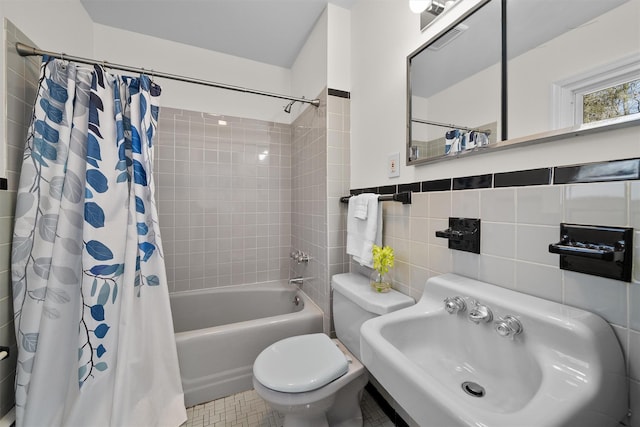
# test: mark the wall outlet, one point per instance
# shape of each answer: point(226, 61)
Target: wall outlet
point(393, 165)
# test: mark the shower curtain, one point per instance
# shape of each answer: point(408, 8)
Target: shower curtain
point(92, 317)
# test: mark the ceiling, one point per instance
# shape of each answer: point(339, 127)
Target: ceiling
point(268, 31)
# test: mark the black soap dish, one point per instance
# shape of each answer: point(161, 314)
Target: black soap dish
point(597, 250)
point(463, 234)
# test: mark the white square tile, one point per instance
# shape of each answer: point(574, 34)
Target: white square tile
point(440, 260)
point(634, 306)
point(419, 255)
point(634, 204)
point(636, 255)
point(498, 205)
point(603, 203)
point(440, 204)
point(419, 277)
point(539, 280)
point(606, 297)
point(498, 271)
point(539, 205)
point(465, 204)
point(466, 263)
point(419, 229)
point(533, 243)
point(498, 239)
point(419, 205)
point(634, 355)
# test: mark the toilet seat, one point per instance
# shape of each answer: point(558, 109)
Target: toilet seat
point(299, 364)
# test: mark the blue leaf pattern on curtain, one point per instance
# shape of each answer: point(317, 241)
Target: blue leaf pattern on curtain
point(86, 244)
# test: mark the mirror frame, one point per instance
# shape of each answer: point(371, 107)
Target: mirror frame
point(548, 136)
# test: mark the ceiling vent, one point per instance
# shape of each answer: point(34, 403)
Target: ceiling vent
point(448, 37)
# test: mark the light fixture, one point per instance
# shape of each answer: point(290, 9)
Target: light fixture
point(419, 6)
point(432, 9)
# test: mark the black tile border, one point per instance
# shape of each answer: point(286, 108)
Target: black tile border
point(437, 185)
point(388, 189)
point(413, 187)
point(393, 416)
point(615, 170)
point(4, 184)
point(473, 182)
point(607, 171)
point(339, 93)
point(522, 178)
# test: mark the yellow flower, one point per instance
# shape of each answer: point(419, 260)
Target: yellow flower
point(382, 258)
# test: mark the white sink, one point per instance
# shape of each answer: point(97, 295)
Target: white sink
point(564, 369)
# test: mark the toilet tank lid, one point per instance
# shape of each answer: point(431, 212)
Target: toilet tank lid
point(357, 288)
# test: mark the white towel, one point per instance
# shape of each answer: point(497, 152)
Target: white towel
point(360, 207)
point(363, 234)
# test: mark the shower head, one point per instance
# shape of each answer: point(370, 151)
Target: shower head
point(287, 109)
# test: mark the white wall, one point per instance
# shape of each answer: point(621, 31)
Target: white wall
point(52, 25)
point(339, 48)
point(309, 71)
point(137, 50)
point(384, 33)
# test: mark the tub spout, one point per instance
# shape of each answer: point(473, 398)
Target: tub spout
point(297, 281)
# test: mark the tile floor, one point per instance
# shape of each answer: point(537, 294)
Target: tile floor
point(247, 409)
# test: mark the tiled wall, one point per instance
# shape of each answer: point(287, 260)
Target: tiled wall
point(7, 332)
point(21, 80)
point(320, 175)
point(338, 177)
point(21, 89)
point(223, 187)
point(518, 224)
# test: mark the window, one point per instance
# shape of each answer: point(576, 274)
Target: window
point(614, 101)
point(605, 93)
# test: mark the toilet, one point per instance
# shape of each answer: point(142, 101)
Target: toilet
point(315, 381)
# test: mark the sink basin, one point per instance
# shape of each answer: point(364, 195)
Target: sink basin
point(565, 368)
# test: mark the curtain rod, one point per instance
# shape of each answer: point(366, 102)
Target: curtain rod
point(26, 50)
point(445, 125)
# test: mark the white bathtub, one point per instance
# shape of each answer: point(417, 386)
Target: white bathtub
point(220, 331)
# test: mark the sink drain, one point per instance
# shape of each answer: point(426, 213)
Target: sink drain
point(473, 389)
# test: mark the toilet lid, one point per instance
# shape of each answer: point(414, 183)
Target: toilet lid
point(301, 363)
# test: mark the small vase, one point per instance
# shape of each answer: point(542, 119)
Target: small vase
point(380, 282)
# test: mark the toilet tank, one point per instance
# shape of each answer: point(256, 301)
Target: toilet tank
point(354, 302)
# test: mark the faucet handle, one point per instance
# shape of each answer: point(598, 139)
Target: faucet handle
point(453, 305)
point(508, 326)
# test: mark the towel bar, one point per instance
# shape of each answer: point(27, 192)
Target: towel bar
point(404, 197)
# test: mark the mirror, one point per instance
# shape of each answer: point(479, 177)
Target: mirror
point(577, 73)
point(455, 88)
point(586, 59)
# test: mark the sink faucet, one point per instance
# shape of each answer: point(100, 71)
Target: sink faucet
point(480, 313)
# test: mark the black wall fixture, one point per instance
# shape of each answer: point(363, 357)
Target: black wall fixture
point(597, 250)
point(463, 234)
